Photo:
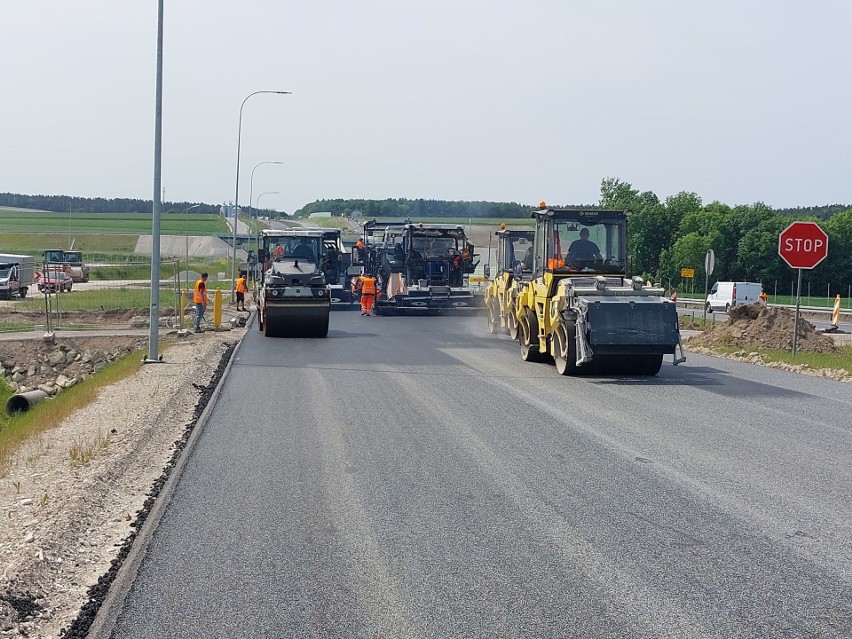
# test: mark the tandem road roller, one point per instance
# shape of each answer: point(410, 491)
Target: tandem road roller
point(582, 309)
point(514, 270)
point(293, 296)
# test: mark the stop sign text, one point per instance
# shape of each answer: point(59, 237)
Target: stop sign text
point(803, 245)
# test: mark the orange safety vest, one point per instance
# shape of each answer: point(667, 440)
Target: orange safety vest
point(241, 285)
point(200, 294)
point(368, 286)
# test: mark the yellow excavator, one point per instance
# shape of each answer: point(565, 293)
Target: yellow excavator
point(581, 308)
point(512, 273)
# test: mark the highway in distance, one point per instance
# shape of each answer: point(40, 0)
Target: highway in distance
point(412, 477)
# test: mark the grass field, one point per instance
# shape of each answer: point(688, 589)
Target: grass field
point(80, 223)
point(843, 360)
point(35, 243)
point(50, 413)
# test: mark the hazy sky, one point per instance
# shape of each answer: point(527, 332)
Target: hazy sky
point(737, 100)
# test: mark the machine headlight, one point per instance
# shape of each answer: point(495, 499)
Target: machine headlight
point(637, 283)
point(600, 282)
point(275, 292)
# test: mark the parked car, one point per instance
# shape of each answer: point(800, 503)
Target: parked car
point(56, 281)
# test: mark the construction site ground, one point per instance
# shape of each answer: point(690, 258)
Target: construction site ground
point(71, 497)
point(64, 522)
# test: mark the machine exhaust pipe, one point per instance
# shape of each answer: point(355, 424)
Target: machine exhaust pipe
point(22, 402)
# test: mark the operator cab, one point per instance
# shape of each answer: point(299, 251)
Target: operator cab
point(580, 242)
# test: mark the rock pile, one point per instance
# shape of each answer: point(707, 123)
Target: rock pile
point(54, 367)
point(770, 327)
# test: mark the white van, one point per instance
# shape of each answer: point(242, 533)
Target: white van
point(725, 295)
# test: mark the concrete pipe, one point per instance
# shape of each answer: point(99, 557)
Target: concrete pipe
point(22, 402)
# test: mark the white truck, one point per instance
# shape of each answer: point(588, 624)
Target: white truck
point(16, 275)
point(726, 295)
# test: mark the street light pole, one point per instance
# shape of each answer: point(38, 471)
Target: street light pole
point(251, 182)
point(154, 316)
point(237, 187)
point(257, 202)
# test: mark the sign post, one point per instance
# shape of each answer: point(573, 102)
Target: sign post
point(709, 264)
point(802, 245)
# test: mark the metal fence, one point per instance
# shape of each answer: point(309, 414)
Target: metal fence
point(119, 303)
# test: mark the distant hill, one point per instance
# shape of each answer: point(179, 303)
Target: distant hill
point(417, 208)
point(62, 203)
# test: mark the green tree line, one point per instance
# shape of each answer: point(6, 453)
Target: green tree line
point(62, 203)
point(666, 236)
point(402, 208)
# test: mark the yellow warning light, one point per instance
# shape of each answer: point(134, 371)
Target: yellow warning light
point(542, 205)
point(502, 226)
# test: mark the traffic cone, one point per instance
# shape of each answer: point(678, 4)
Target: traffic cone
point(835, 314)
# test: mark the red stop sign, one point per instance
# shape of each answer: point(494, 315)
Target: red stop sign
point(803, 245)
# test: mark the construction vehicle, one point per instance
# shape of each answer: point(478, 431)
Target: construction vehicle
point(513, 272)
point(337, 267)
point(70, 262)
point(582, 309)
point(425, 268)
point(16, 275)
point(293, 296)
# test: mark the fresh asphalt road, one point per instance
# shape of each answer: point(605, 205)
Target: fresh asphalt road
point(412, 477)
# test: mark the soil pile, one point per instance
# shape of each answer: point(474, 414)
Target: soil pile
point(759, 326)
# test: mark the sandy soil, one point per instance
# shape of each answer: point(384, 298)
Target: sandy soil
point(71, 498)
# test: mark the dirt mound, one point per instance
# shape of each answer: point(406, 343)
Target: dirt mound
point(759, 326)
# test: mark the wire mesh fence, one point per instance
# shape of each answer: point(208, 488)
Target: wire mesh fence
point(115, 297)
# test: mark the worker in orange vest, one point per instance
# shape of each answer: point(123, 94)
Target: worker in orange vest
point(358, 253)
point(199, 298)
point(241, 290)
point(763, 297)
point(366, 284)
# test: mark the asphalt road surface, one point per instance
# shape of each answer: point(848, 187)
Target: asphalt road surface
point(412, 477)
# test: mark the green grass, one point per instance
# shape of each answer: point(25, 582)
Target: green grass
point(83, 223)
point(13, 327)
point(35, 243)
point(14, 431)
point(842, 360)
point(108, 299)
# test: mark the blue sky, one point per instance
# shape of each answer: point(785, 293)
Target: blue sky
point(506, 101)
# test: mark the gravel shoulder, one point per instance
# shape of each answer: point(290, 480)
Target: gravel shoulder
point(63, 522)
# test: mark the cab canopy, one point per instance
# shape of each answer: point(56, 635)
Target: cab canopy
point(580, 241)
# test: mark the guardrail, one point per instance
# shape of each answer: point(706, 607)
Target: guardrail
point(815, 310)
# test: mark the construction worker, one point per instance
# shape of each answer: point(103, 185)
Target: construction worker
point(241, 290)
point(278, 252)
point(358, 253)
point(199, 298)
point(366, 284)
point(763, 297)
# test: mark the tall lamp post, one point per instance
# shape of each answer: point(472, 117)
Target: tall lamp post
point(251, 182)
point(257, 202)
point(154, 315)
point(237, 187)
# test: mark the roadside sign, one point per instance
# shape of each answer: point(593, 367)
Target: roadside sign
point(709, 264)
point(803, 245)
point(687, 272)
